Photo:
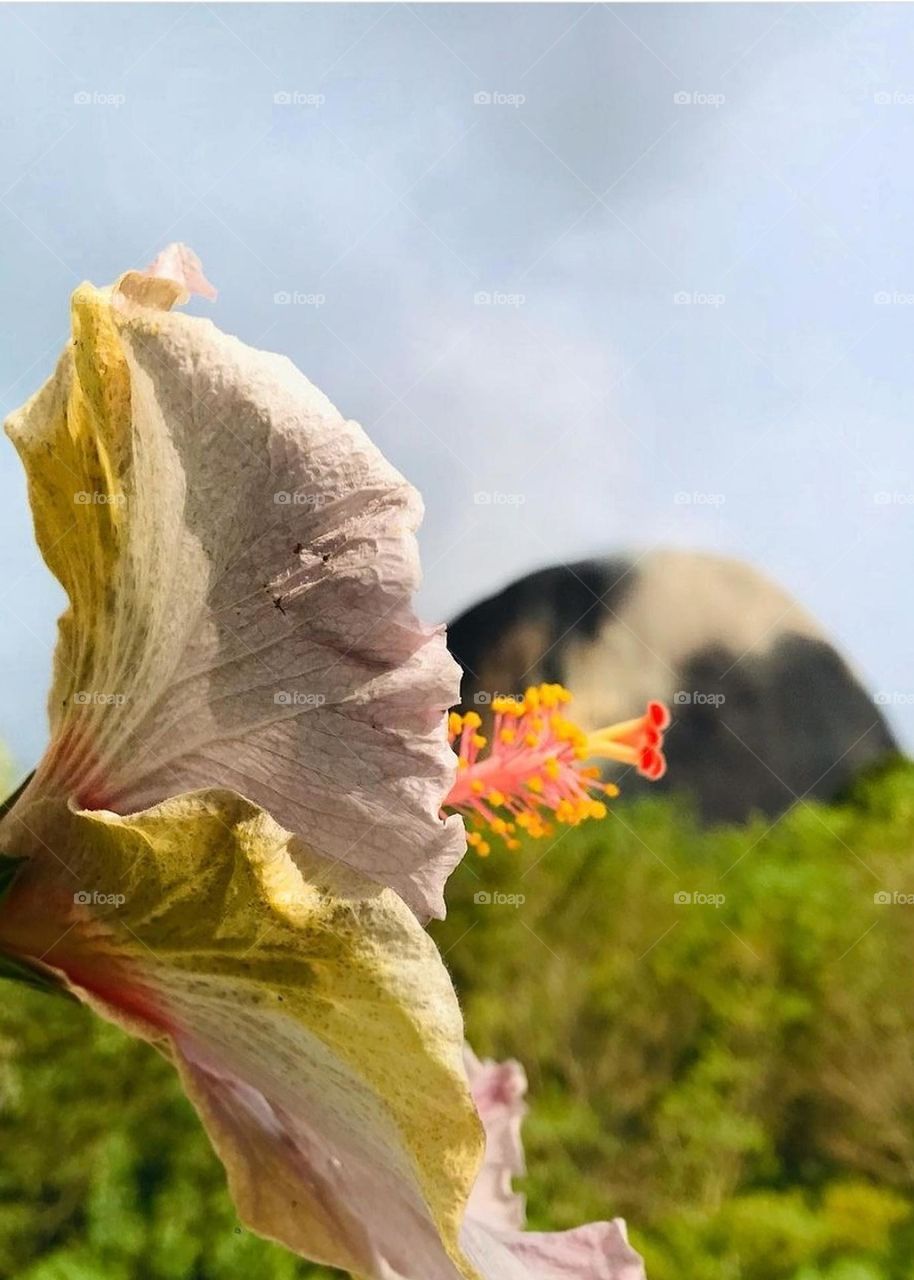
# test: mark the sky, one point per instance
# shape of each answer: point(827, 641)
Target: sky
point(596, 278)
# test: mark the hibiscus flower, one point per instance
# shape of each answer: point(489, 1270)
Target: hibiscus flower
point(234, 838)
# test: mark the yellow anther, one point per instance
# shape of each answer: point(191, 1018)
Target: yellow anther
point(611, 790)
point(565, 811)
point(552, 767)
point(472, 720)
point(499, 826)
point(483, 848)
point(454, 722)
point(507, 736)
point(478, 741)
point(496, 798)
point(597, 809)
point(535, 784)
point(531, 739)
point(477, 787)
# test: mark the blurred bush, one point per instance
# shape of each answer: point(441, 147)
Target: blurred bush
point(734, 1073)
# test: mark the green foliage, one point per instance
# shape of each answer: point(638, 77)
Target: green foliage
point(734, 1074)
point(736, 1079)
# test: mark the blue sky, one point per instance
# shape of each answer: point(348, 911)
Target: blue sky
point(641, 274)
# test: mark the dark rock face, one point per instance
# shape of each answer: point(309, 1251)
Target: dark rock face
point(765, 711)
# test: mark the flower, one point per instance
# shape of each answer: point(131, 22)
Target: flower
point(234, 836)
point(534, 762)
point(243, 783)
point(240, 562)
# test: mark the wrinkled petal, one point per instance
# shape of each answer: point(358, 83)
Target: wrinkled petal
point(498, 1090)
point(240, 562)
point(599, 1251)
point(492, 1236)
point(309, 1015)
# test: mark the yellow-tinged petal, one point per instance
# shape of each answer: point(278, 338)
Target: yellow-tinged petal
point(309, 1014)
